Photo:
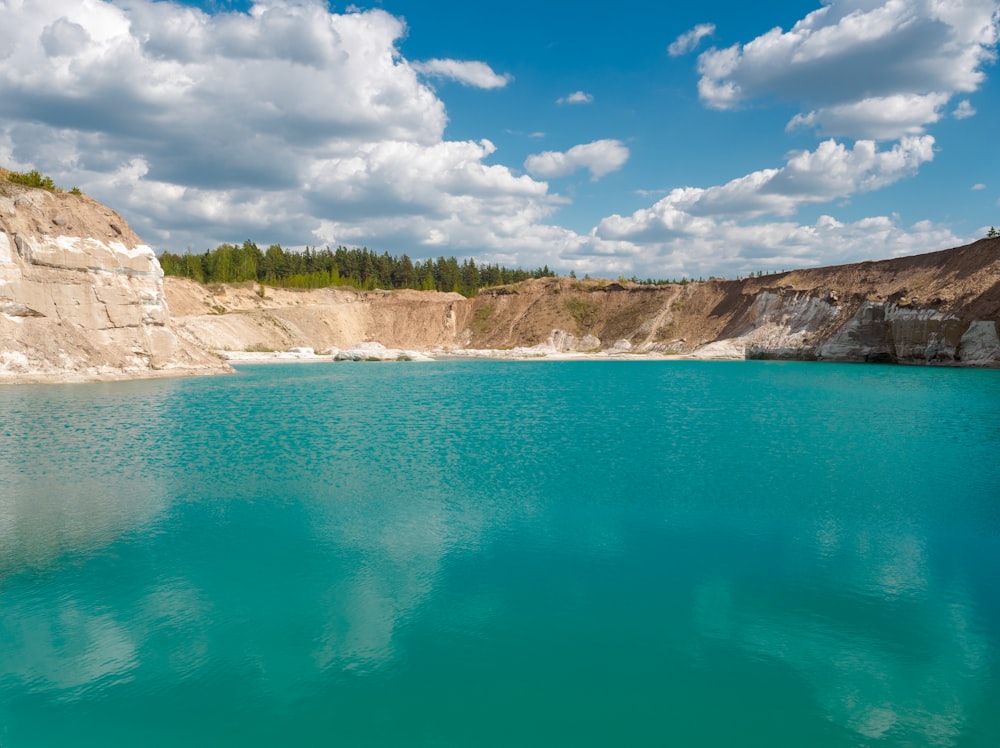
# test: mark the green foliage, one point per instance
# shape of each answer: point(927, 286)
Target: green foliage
point(992, 233)
point(480, 319)
point(75, 191)
point(321, 268)
point(33, 178)
point(584, 313)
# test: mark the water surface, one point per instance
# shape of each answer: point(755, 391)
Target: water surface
point(503, 553)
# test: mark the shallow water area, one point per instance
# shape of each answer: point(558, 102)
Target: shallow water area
point(501, 553)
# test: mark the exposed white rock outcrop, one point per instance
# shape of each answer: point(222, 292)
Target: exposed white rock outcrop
point(370, 351)
point(980, 344)
point(560, 340)
point(81, 297)
point(729, 349)
point(887, 332)
point(802, 326)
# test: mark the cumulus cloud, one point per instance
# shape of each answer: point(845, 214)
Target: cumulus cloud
point(577, 97)
point(468, 73)
point(860, 66)
point(599, 158)
point(978, 186)
point(964, 110)
point(293, 124)
point(63, 38)
point(742, 226)
point(689, 40)
point(288, 123)
point(703, 246)
point(881, 118)
point(831, 171)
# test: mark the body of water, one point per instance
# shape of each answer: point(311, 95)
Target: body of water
point(475, 553)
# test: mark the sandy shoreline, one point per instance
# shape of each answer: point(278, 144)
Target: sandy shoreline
point(452, 354)
point(368, 352)
point(105, 377)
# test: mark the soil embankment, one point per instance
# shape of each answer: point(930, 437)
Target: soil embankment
point(937, 308)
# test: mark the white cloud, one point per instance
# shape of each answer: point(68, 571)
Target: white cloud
point(600, 158)
point(468, 73)
point(978, 186)
point(718, 230)
point(831, 171)
point(276, 124)
point(710, 246)
point(849, 58)
point(577, 97)
point(297, 125)
point(689, 40)
point(63, 38)
point(964, 110)
point(880, 118)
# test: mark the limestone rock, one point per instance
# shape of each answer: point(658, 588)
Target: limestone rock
point(980, 345)
point(79, 300)
point(370, 351)
point(560, 340)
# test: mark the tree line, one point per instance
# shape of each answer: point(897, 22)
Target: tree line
point(320, 268)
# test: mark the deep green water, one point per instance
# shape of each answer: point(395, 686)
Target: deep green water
point(503, 554)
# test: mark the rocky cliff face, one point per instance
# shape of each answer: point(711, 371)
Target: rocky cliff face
point(240, 317)
point(81, 297)
point(938, 308)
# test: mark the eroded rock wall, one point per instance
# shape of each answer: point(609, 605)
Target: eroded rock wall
point(247, 317)
point(938, 308)
point(81, 297)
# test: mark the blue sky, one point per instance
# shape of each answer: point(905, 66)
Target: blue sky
point(641, 139)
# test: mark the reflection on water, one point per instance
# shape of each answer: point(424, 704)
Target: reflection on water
point(302, 551)
point(75, 468)
point(396, 563)
point(886, 651)
point(69, 649)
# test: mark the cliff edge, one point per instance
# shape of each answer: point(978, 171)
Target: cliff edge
point(81, 297)
point(940, 308)
point(936, 308)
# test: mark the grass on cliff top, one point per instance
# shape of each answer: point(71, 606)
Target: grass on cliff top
point(34, 178)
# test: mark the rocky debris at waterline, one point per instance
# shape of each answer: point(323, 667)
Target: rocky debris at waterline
point(303, 353)
point(558, 344)
point(81, 297)
point(370, 351)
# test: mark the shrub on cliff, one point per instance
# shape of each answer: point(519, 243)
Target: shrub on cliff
point(33, 178)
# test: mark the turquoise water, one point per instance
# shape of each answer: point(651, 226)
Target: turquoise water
point(503, 554)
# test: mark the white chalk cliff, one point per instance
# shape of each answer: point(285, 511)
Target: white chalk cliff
point(81, 297)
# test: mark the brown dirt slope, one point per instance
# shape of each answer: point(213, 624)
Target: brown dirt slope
point(961, 283)
point(238, 317)
point(964, 281)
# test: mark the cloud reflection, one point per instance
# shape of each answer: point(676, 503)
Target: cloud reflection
point(70, 649)
point(888, 651)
